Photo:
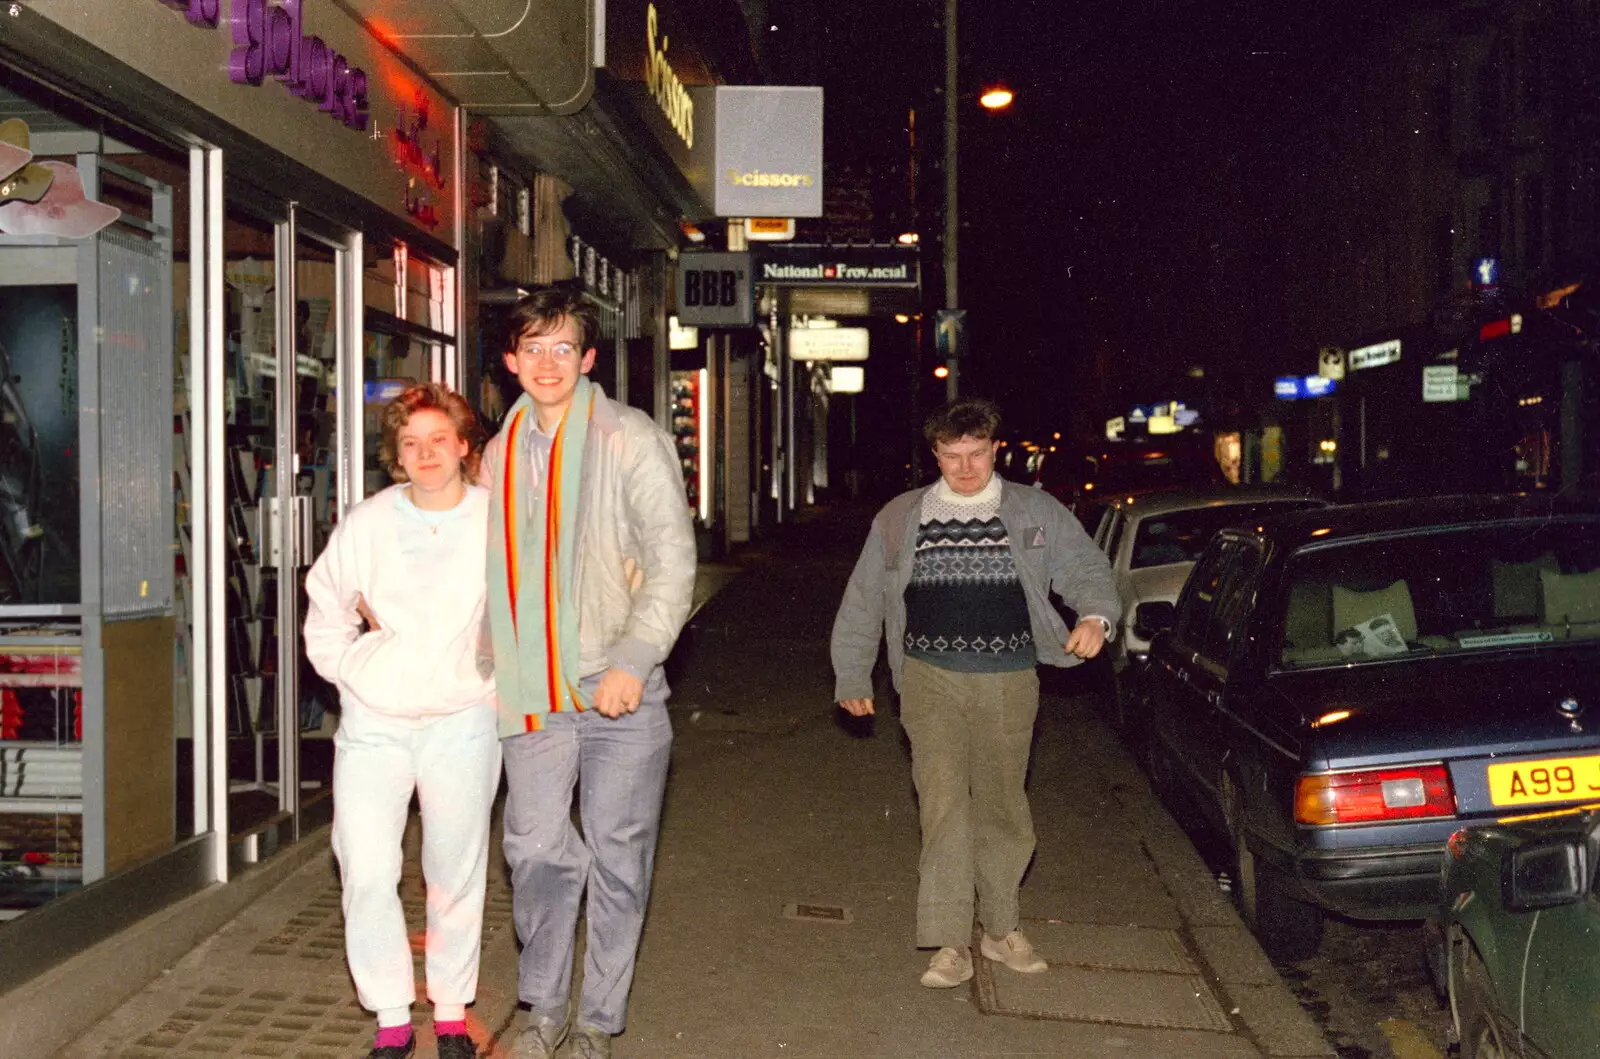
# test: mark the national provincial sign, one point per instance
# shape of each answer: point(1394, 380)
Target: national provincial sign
point(809, 265)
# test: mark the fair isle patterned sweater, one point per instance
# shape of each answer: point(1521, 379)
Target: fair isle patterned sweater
point(965, 609)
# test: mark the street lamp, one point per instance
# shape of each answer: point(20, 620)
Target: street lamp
point(998, 97)
point(995, 97)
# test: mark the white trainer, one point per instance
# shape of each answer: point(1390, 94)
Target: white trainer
point(948, 968)
point(1015, 951)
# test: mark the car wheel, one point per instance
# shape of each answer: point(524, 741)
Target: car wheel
point(1158, 767)
point(1289, 930)
point(1480, 1030)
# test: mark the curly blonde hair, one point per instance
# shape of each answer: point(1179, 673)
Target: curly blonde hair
point(437, 397)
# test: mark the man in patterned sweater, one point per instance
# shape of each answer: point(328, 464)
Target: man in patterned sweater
point(958, 576)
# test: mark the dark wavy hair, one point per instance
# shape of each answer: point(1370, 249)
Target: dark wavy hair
point(965, 417)
point(437, 397)
point(544, 309)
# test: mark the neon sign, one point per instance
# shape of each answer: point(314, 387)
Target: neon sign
point(424, 168)
point(270, 38)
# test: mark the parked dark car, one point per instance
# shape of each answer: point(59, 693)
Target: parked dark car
point(1339, 690)
point(1521, 926)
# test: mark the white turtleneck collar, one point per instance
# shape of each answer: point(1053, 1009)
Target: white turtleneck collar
point(989, 494)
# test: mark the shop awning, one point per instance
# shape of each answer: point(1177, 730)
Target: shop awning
point(495, 56)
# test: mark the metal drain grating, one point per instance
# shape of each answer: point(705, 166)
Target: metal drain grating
point(1140, 976)
point(818, 913)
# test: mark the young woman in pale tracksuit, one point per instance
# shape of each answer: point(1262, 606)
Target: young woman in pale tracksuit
point(395, 621)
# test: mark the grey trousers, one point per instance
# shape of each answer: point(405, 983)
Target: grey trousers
point(619, 768)
point(970, 738)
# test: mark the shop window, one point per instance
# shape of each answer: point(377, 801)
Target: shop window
point(114, 355)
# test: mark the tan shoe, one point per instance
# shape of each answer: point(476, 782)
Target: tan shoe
point(1015, 951)
point(948, 968)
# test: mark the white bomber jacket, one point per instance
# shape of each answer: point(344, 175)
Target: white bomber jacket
point(423, 661)
point(636, 546)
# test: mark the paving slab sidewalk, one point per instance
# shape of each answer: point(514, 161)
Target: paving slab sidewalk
point(782, 922)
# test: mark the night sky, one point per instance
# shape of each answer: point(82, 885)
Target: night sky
point(1093, 210)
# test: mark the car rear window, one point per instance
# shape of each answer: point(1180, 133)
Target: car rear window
point(1526, 585)
point(1180, 536)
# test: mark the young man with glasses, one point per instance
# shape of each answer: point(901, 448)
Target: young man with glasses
point(591, 574)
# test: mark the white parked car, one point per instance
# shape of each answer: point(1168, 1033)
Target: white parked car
point(1153, 541)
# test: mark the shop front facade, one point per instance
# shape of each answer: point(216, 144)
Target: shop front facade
point(228, 233)
point(672, 151)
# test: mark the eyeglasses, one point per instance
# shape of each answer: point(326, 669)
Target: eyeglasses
point(561, 351)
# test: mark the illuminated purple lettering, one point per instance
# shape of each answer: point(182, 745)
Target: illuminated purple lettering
point(357, 117)
point(199, 12)
point(247, 62)
point(328, 101)
point(270, 38)
point(279, 40)
point(289, 72)
point(313, 68)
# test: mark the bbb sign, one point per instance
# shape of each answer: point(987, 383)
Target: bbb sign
point(714, 290)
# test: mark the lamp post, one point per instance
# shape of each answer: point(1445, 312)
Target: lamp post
point(996, 98)
point(951, 225)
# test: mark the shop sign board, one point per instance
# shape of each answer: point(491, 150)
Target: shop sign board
point(828, 343)
point(746, 150)
point(1375, 355)
point(847, 378)
point(765, 151)
point(713, 290)
point(769, 229)
point(304, 77)
point(816, 265)
point(1297, 387)
point(1439, 383)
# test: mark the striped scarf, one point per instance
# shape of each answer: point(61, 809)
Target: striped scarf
point(532, 612)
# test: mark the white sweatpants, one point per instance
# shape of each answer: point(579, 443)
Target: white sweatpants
point(453, 764)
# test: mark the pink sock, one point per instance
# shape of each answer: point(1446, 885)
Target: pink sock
point(445, 1029)
point(392, 1036)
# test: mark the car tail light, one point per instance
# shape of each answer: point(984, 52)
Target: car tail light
point(1369, 797)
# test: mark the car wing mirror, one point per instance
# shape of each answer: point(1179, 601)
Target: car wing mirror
point(1545, 874)
point(1154, 617)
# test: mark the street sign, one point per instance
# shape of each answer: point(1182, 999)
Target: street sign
point(1330, 362)
point(950, 333)
point(828, 343)
point(714, 290)
point(1486, 272)
point(847, 378)
point(1374, 355)
point(1439, 383)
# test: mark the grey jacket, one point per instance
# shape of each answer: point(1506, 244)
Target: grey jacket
point(636, 546)
point(1051, 551)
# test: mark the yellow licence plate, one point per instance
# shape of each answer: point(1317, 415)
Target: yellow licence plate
point(1561, 779)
